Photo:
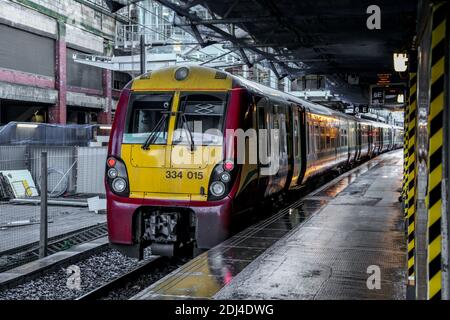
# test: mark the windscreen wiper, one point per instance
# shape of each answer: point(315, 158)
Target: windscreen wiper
point(152, 137)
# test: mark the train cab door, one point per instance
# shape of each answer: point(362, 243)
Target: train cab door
point(263, 114)
point(272, 146)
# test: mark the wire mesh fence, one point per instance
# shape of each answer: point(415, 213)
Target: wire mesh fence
point(75, 192)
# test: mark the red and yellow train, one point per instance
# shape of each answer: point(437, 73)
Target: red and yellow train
point(169, 183)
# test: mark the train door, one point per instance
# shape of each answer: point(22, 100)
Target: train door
point(381, 139)
point(352, 141)
point(280, 114)
point(296, 144)
point(370, 140)
point(263, 127)
point(392, 137)
point(358, 141)
point(148, 119)
point(272, 147)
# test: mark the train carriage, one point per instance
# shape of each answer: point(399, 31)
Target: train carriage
point(175, 173)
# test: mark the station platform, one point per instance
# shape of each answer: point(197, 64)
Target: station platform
point(326, 248)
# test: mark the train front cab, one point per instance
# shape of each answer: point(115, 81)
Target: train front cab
point(167, 184)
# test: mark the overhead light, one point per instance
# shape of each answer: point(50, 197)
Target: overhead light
point(401, 98)
point(27, 125)
point(177, 47)
point(400, 62)
point(105, 128)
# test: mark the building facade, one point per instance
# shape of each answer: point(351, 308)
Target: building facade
point(39, 80)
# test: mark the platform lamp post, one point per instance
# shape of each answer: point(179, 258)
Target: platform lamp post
point(43, 241)
point(143, 54)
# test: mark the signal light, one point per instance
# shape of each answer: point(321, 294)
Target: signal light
point(225, 177)
point(113, 173)
point(228, 166)
point(117, 177)
point(112, 162)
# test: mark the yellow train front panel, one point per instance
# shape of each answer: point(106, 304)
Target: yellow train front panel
point(153, 174)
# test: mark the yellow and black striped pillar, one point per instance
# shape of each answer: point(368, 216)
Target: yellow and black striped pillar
point(435, 151)
point(405, 161)
point(410, 201)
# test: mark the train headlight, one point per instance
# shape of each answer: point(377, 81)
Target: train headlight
point(225, 177)
point(119, 185)
point(117, 177)
point(222, 180)
point(181, 73)
point(112, 173)
point(217, 189)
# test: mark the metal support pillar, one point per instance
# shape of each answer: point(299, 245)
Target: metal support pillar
point(411, 175)
point(143, 54)
point(105, 116)
point(446, 163)
point(43, 242)
point(434, 201)
point(58, 113)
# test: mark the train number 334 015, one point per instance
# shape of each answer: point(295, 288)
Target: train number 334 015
point(191, 175)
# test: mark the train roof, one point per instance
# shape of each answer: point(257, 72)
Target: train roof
point(153, 80)
point(276, 94)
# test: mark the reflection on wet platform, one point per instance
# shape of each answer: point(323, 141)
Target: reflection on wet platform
point(204, 276)
point(329, 256)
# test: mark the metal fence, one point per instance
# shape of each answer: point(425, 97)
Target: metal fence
point(75, 189)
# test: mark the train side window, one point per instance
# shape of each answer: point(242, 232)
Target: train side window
point(327, 137)
point(323, 140)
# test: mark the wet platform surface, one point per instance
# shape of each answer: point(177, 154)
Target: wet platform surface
point(320, 250)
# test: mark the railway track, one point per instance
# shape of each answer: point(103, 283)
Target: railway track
point(124, 280)
point(30, 252)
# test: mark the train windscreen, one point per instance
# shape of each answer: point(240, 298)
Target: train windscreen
point(200, 118)
point(148, 116)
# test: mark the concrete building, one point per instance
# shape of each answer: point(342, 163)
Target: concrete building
point(39, 80)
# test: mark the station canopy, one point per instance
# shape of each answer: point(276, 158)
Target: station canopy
point(309, 36)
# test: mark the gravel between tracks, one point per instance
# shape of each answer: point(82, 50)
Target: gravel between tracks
point(95, 271)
